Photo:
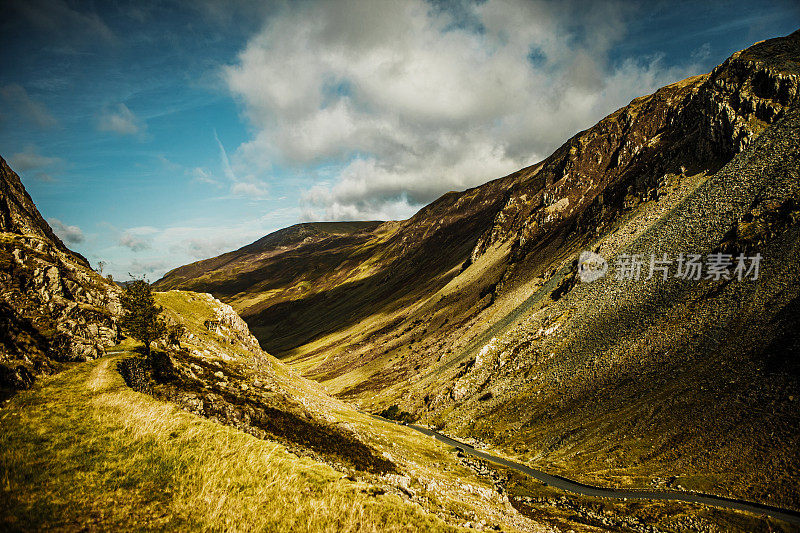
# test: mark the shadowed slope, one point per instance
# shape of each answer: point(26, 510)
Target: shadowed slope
point(468, 314)
point(291, 294)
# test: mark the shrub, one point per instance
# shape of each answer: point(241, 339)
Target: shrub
point(394, 413)
point(141, 319)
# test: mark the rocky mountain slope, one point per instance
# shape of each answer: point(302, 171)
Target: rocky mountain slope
point(220, 373)
point(53, 307)
point(470, 315)
point(637, 381)
point(290, 294)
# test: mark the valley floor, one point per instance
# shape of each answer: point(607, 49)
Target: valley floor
point(81, 450)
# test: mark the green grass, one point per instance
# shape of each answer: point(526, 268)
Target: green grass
point(442, 486)
point(83, 451)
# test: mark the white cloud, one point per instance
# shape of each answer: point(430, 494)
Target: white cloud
point(201, 175)
point(137, 239)
point(196, 243)
point(411, 102)
point(248, 187)
point(184, 244)
point(25, 107)
point(252, 190)
point(30, 162)
point(150, 268)
point(120, 120)
point(200, 242)
point(68, 234)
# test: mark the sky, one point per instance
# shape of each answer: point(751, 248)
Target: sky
point(155, 134)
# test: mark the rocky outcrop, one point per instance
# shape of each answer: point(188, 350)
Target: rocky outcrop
point(19, 215)
point(220, 372)
point(692, 126)
point(55, 309)
point(229, 325)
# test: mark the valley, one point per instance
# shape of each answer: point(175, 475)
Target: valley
point(448, 372)
point(470, 317)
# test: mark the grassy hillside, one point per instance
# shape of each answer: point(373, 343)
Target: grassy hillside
point(282, 240)
point(220, 374)
point(83, 451)
point(291, 292)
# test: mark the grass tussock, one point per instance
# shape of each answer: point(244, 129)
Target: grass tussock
point(83, 451)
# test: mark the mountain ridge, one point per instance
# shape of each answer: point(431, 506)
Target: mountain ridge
point(470, 314)
point(18, 213)
point(537, 204)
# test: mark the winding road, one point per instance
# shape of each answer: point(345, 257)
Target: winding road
point(787, 515)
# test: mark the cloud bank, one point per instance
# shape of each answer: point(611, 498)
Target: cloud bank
point(68, 234)
point(400, 102)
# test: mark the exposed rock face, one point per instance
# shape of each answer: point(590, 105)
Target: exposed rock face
point(227, 324)
point(18, 213)
point(54, 308)
point(694, 125)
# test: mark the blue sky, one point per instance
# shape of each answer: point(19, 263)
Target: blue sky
point(153, 134)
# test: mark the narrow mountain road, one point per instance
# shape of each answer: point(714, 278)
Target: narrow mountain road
point(562, 483)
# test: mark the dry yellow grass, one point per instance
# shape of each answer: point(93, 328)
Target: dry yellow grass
point(81, 450)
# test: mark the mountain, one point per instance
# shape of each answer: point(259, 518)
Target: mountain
point(470, 315)
point(291, 457)
point(294, 290)
point(244, 260)
point(53, 307)
point(19, 215)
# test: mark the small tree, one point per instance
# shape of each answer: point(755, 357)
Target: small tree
point(141, 320)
